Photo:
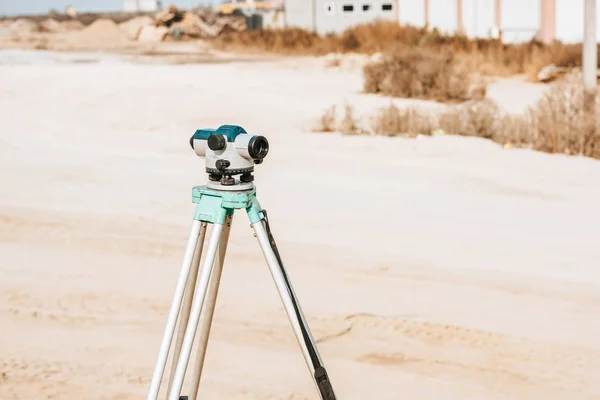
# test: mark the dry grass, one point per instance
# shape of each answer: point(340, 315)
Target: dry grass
point(410, 121)
point(412, 72)
point(563, 125)
point(487, 56)
point(558, 123)
point(349, 124)
point(327, 121)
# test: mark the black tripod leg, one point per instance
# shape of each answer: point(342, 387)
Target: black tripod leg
point(292, 307)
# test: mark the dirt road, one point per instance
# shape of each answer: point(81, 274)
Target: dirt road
point(436, 268)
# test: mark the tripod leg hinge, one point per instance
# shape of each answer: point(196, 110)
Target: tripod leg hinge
point(254, 211)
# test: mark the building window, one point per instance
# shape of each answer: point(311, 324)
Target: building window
point(386, 7)
point(329, 8)
point(347, 8)
point(366, 7)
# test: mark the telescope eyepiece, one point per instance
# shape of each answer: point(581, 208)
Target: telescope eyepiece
point(258, 147)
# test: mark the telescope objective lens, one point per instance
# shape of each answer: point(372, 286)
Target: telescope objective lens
point(216, 142)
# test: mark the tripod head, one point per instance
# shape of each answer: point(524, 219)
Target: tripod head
point(229, 151)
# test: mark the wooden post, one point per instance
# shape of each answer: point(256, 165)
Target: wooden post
point(426, 5)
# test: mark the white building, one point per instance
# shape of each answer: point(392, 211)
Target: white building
point(335, 16)
point(141, 5)
point(517, 20)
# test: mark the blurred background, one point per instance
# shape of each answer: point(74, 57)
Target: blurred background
point(432, 183)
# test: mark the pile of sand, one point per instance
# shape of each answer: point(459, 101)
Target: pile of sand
point(102, 34)
point(104, 29)
point(51, 25)
point(72, 25)
point(24, 26)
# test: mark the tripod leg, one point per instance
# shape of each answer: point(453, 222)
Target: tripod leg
point(292, 307)
point(174, 311)
point(190, 332)
point(187, 302)
point(208, 310)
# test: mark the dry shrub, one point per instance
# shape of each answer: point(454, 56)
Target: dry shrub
point(379, 36)
point(514, 130)
point(558, 123)
point(562, 124)
point(366, 38)
point(417, 73)
point(486, 56)
point(286, 41)
point(349, 125)
point(479, 119)
point(327, 121)
point(561, 55)
point(410, 121)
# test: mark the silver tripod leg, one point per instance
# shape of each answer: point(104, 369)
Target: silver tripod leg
point(165, 345)
point(294, 312)
point(190, 332)
point(208, 310)
point(187, 303)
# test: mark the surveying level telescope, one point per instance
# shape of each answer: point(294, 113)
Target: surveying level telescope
point(230, 154)
point(229, 151)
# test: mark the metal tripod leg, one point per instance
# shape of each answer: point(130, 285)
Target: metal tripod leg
point(187, 303)
point(208, 310)
point(292, 307)
point(190, 332)
point(163, 352)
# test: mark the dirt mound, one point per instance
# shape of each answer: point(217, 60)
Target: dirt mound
point(23, 26)
point(51, 25)
point(104, 28)
point(72, 25)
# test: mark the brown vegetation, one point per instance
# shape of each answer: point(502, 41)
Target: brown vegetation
point(488, 56)
point(327, 121)
point(412, 120)
point(413, 72)
point(349, 124)
point(558, 123)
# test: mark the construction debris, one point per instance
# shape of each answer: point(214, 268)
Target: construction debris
point(169, 24)
point(71, 11)
point(180, 25)
point(153, 34)
point(169, 16)
point(134, 26)
point(24, 26)
point(551, 72)
point(51, 25)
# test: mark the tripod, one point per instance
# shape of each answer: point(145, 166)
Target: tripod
point(197, 288)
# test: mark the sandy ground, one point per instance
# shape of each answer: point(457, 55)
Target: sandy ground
point(440, 268)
